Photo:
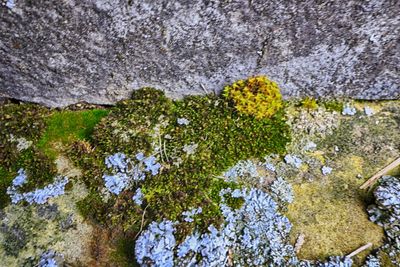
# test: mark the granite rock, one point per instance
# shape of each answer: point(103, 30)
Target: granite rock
point(62, 52)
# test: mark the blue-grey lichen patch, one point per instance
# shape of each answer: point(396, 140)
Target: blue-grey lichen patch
point(38, 196)
point(51, 259)
point(126, 171)
point(10, 4)
point(349, 110)
point(138, 197)
point(31, 232)
point(255, 234)
point(386, 212)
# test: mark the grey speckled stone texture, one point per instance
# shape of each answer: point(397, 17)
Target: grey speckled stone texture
point(62, 52)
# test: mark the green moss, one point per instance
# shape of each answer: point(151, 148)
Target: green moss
point(39, 168)
point(92, 206)
point(66, 126)
point(22, 121)
point(124, 253)
point(332, 105)
point(149, 119)
point(44, 129)
point(309, 103)
point(5, 181)
point(19, 120)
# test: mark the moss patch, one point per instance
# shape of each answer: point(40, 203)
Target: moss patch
point(43, 129)
point(149, 123)
point(331, 214)
point(66, 126)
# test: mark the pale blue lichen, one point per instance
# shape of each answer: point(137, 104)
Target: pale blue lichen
point(349, 110)
point(38, 196)
point(386, 212)
point(20, 179)
point(244, 168)
point(310, 146)
point(183, 121)
point(50, 259)
point(117, 183)
point(281, 191)
point(154, 247)
point(10, 4)
point(124, 171)
point(326, 170)
point(188, 215)
point(293, 160)
point(256, 234)
point(368, 111)
point(152, 165)
point(372, 261)
point(118, 162)
point(138, 197)
point(335, 261)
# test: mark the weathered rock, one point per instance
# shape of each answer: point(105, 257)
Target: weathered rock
point(63, 52)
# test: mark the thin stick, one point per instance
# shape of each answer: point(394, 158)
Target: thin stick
point(165, 152)
point(374, 178)
point(141, 225)
point(299, 243)
point(160, 144)
point(360, 249)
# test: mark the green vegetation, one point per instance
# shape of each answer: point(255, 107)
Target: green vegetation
point(332, 105)
point(222, 134)
point(148, 123)
point(66, 126)
point(256, 96)
point(22, 121)
point(309, 103)
point(41, 128)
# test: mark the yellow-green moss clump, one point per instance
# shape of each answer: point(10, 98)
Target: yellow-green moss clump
point(256, 96)
point(309, 103)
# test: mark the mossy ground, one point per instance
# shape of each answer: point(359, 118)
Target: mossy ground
point(329, 210)
point(68, 126)
point(148, 123)
point(48, 131)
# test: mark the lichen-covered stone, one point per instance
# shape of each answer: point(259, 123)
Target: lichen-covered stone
point(58, 53)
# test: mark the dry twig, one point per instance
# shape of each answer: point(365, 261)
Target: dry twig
point(142, 223)
point(360, 249)
point(374, 178)
point(299, 242)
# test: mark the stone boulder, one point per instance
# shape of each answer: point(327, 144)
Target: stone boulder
point(62, 52)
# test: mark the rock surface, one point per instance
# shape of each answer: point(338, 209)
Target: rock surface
point(62, 52)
